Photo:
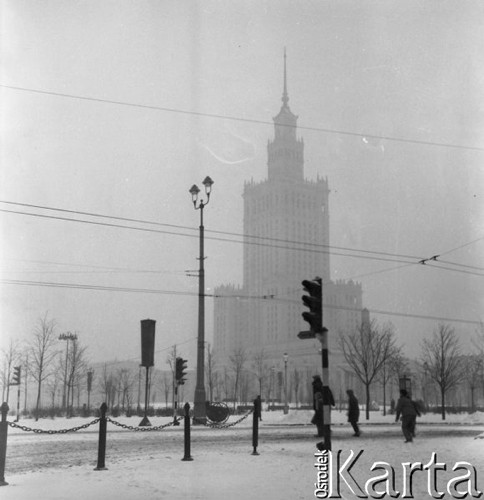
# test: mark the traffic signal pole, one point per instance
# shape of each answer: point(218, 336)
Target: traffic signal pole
point(314, 317)
point(326, 445)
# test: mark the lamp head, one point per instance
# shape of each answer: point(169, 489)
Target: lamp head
point(194, 192)
point(207, 182)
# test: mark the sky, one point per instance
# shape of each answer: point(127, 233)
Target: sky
point(116, 108)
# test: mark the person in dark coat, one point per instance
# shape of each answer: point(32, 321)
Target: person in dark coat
point(317, 419)
point(409, 412)
point(318, 403)
point(353, 412)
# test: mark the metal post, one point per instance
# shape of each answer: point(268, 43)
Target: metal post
point(326, 445)
point(138, 408)
point(3, 443)
point(286, 408)
point(175, 405)
point(199, 413)
point(64, 396)
point(18, 402)
point(145, 422)
point(255, 425)
point(187, 457)
point(199, 408)
point(101, 451)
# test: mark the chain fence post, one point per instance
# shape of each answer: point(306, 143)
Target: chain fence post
point(101, 452)
point(255, 425)
point(3, 443)
point(187, 457)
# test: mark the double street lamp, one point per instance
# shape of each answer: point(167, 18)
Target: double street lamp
point(199, 411)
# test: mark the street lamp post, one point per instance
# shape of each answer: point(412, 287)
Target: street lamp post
point(90, 373)
point(286, 357)
point(66, 336)
point(199, 412)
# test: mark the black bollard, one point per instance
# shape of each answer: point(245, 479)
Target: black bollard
point(3, 443)
point(255, 426)
point(101, 451)
point(187, 457)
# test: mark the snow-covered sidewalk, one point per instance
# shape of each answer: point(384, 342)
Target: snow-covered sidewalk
point(283, 470)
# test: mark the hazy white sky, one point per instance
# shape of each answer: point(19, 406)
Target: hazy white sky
point(409, 70)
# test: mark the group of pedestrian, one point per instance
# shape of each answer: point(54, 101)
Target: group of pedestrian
point(406, 409)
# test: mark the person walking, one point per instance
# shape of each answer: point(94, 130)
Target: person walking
point(321, 396)
point(317, 419)
point(409, 412)
point(353, 411)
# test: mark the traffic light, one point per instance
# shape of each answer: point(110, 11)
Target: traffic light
point(180, 370)
point(314, 301)
point(17, 373)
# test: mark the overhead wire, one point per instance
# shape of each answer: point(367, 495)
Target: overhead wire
point(221, 296)
point(300, 245)
point(240, 119)
point(211, 115)
point(163, 224)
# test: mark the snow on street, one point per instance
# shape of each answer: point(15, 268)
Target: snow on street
point(149, 465)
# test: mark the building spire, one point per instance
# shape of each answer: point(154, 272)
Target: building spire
point(285, 97)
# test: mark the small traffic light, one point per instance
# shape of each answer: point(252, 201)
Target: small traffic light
point(314, 301)
point(17, 374)
point(180, 370)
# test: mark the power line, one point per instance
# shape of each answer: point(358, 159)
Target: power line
point(218, 296)
point(102, 269)
point(240, 119)
point(163, 224)
point(299, 248)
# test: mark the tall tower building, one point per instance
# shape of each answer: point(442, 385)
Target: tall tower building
point(286, 240)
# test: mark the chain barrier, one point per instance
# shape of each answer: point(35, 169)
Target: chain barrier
point(142, 429)
point(60, 431)
point(124, 426)
point(226, 426)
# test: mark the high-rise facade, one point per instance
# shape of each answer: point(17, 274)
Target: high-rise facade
point(286, 240)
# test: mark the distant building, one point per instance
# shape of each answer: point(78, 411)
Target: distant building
point(286, 240)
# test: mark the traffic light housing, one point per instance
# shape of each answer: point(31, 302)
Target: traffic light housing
point(314, 301)
point(17, 374)
point(180, 370)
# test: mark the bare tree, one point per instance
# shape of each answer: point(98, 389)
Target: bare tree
point(106, 385)
point(54, 381)
point(166, 383)
point(238, 360)
point(260, 367)
point(210, 371)
point(10, 358)
point(394, 364)
point(398, 367)
point(171, 360)
point(42, 354)
point(77, 366)
point(126, 381)
point(366, 351)
point(478, 342)
point(473, 368)
point(297, 384)
point(442, 357)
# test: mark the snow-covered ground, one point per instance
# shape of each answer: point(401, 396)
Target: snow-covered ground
point(284, 469)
